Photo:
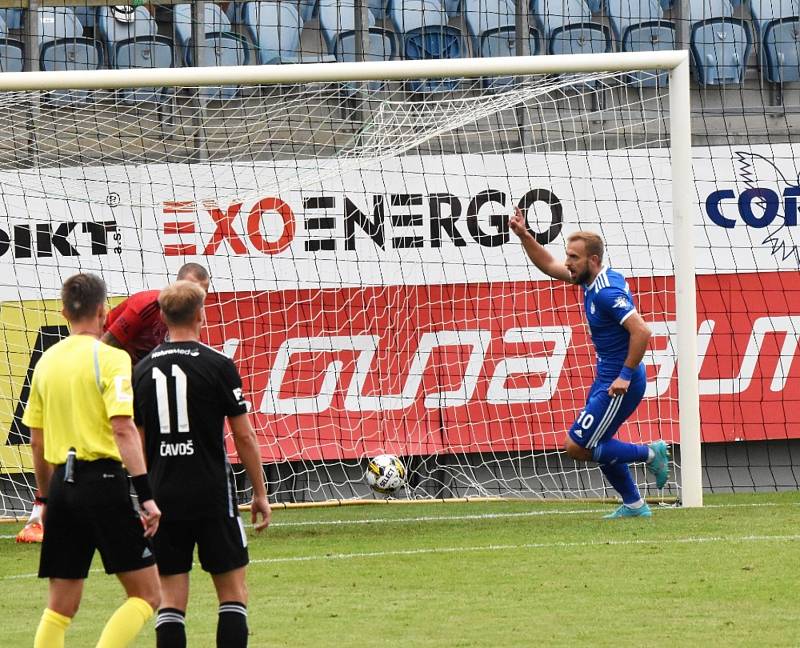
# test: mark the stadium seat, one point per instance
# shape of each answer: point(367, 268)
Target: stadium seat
point(222, 46)
point(87, 15)
point(777, 26)
point(307, 9)
point(638, 26)
point(567, 27)
point(720, 44)
point(378, 8)
point(63, 47)
point(131, 40)
point(425, 34)
point(452, 7)
point(276, 27)
point(12, 18)
point(337, 22)
point(492, 28)
point(12, 58)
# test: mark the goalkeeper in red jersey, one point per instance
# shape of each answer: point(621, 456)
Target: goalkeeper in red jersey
point(135, 326)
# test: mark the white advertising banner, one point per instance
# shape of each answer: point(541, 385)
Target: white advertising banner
point(408, 221)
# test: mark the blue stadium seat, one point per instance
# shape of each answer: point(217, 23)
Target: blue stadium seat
point(720, 44)
point(425, 33)
point(777, 25)
point(307, 9)
point(275, 28)
point(12, 58)
point(379, 8)
point(131, 40)
point(337, 22)
point(492, 28)
point(222, 46)
point(63, 47)
point(638, 26)
point(452, 7)
point(12, 18)
point(567, 27)
point(87, 15)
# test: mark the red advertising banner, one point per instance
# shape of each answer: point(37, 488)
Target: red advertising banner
point(495, 367)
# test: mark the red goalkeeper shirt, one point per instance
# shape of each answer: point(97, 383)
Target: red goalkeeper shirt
point(137, 325)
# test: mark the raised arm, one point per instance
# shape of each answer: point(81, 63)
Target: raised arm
point(247, 448)
point(537, 253)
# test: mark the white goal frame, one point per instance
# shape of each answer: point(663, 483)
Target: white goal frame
point(676, 63)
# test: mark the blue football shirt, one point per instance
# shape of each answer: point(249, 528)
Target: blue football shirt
point(608, 302)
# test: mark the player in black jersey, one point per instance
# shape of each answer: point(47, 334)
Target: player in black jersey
point(184, 391)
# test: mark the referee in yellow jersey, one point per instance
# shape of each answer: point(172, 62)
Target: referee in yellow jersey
point(80, 415)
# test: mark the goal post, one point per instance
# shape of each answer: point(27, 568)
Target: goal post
point(368, 326)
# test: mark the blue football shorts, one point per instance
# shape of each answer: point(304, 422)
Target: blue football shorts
point(601, 417)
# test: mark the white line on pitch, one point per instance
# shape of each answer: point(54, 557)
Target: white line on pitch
point(493, 516)
point(527, 545)
point(506, 547)
point(488, 516)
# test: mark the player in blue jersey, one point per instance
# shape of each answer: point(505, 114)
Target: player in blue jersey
point(620, 337)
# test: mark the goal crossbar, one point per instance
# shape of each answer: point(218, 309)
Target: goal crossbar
point(332, 72)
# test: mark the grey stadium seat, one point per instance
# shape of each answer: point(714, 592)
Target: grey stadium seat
point(337, 22)
point(777, 25)
point(62, 46)
point(492, 27)
point(639, 26)
point(222, 46)
point(567, 28)
point(131, 40)
point(720, 44)
point(12, 57)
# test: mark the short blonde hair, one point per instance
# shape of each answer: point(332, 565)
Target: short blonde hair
point(180, 301)
point(593, 242)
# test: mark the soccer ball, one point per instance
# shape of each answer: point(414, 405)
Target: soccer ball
point(385, 474)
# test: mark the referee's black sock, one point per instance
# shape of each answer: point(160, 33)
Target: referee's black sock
point(171, 628)
point(232, 625)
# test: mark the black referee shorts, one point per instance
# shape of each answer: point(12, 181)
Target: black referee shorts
point(94, 512)
point(221, 545)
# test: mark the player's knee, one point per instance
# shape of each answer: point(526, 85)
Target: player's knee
point(153, 598)
point(67, 608)
point(149, 592)
point(231, 586)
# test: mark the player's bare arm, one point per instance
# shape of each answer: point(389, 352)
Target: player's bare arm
point(536, 252)
point(130, 449)
point(640, 336)
point(41, 467)
point(108, 338)
point(244, 437)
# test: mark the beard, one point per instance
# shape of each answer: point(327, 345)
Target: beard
point(582, 278)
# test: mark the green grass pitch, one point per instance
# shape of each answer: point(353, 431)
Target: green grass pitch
point(484, 575)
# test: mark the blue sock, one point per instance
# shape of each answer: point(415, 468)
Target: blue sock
point(619, 476)
point(613, 451)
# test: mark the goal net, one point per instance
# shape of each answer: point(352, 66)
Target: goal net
point(363, 276)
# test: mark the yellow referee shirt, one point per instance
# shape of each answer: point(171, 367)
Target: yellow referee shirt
point(78, 385)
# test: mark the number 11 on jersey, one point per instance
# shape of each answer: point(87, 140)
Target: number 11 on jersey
point(162, 398)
